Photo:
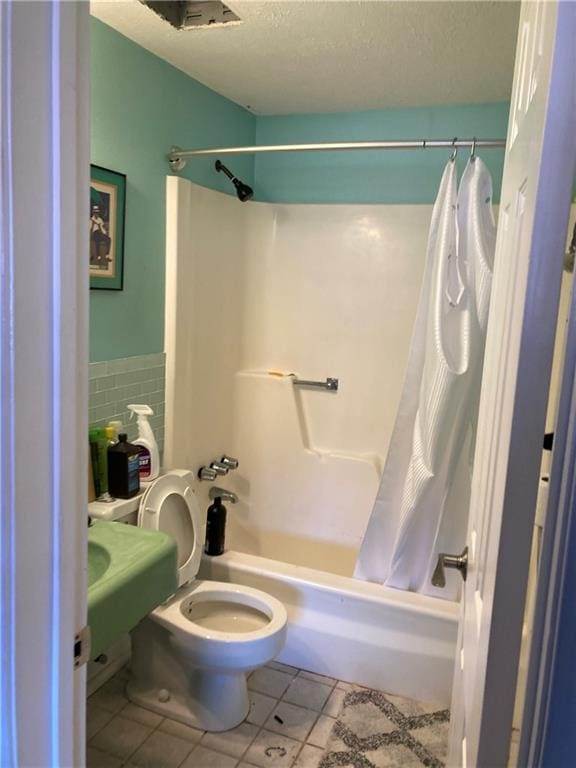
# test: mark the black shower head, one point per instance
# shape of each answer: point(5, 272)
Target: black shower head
point(243, 191)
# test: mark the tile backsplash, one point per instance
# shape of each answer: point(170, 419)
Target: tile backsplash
point(114, 384)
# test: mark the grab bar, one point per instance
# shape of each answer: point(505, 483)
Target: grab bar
point(331, 384)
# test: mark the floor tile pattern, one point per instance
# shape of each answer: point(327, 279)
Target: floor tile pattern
point(297, 719)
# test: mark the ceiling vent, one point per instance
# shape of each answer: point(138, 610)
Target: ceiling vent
point(186, 14)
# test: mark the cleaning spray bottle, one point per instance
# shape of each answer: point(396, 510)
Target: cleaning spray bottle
point(149, 456)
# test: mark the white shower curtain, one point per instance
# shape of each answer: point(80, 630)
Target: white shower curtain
point(421, 506)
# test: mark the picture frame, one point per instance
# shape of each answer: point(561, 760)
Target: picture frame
point(107, 218)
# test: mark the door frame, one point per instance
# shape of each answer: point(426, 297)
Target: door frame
point(44, 196)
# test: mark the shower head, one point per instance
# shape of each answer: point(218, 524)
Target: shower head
point(243, 191)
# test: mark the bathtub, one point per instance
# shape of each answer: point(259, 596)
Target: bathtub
point(356, 631)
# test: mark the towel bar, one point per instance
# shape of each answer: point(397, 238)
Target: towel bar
point(331, 384)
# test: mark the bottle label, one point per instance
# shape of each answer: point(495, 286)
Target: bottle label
point(133, 472)
point(145, 463)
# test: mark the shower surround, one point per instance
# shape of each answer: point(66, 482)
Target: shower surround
point(316, 290)
point(254, 290)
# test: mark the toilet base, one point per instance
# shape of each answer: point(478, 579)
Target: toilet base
point(165, 680)
point(212, 701)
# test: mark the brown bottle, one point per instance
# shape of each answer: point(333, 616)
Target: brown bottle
point(123, 468)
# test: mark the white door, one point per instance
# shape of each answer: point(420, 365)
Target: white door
point(536, 191)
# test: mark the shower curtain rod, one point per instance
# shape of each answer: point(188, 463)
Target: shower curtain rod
point(177, 157)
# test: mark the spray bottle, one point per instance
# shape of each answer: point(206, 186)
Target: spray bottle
point(149, 457)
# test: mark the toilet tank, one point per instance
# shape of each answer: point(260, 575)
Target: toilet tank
point(118, 510)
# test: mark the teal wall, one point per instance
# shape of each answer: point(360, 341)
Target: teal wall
point(372, 176)
point(140, 107)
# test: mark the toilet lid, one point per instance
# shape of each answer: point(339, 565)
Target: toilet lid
point(169, 505)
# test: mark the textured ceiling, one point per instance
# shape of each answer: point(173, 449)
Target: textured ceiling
point(291, 56)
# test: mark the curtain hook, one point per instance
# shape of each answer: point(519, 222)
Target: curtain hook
point(473, 152)
point(454, 149)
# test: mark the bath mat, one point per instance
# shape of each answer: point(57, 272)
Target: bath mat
point(377, 730)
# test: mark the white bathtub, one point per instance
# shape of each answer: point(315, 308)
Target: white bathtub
point(397, 641)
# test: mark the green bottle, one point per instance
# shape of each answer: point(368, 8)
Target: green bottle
point(99, 458)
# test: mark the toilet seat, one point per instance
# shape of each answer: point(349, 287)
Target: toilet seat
point(175, 612)
point(223, 648)
point(170, 505)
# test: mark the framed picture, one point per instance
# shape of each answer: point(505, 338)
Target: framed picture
point(107, 213)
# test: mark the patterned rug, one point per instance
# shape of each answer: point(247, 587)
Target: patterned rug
point(375, 730)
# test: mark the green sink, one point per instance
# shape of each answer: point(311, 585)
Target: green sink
point(130, 571)
point(98, 562)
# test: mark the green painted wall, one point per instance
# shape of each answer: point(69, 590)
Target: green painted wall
point(140, 107)
point(371, 177)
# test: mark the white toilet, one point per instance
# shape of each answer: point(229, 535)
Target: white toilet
point(190, 656)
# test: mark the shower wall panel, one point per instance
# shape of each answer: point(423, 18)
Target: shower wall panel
point(311, 290)
point(203, 319)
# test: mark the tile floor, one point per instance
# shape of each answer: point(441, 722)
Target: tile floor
point(291, 724)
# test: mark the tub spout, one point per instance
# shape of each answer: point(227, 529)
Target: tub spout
point(222, 493)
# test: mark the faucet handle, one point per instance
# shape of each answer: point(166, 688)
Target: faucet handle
point(219, 467)
point(207, 473)
point(229, 462)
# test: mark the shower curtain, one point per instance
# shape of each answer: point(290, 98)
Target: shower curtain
point(422, 503)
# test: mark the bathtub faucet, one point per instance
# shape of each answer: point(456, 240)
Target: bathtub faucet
point(225, 465)
point(222, 493)
point(230, 462)
point(218, 468)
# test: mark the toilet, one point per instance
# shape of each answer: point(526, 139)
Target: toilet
point(191, 655)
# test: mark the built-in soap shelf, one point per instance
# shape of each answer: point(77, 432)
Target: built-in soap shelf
point(306, 439)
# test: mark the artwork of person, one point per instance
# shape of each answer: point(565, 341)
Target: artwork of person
point(99, 239)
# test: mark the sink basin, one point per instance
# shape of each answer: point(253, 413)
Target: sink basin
point(98, 562)
point(130, 571)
